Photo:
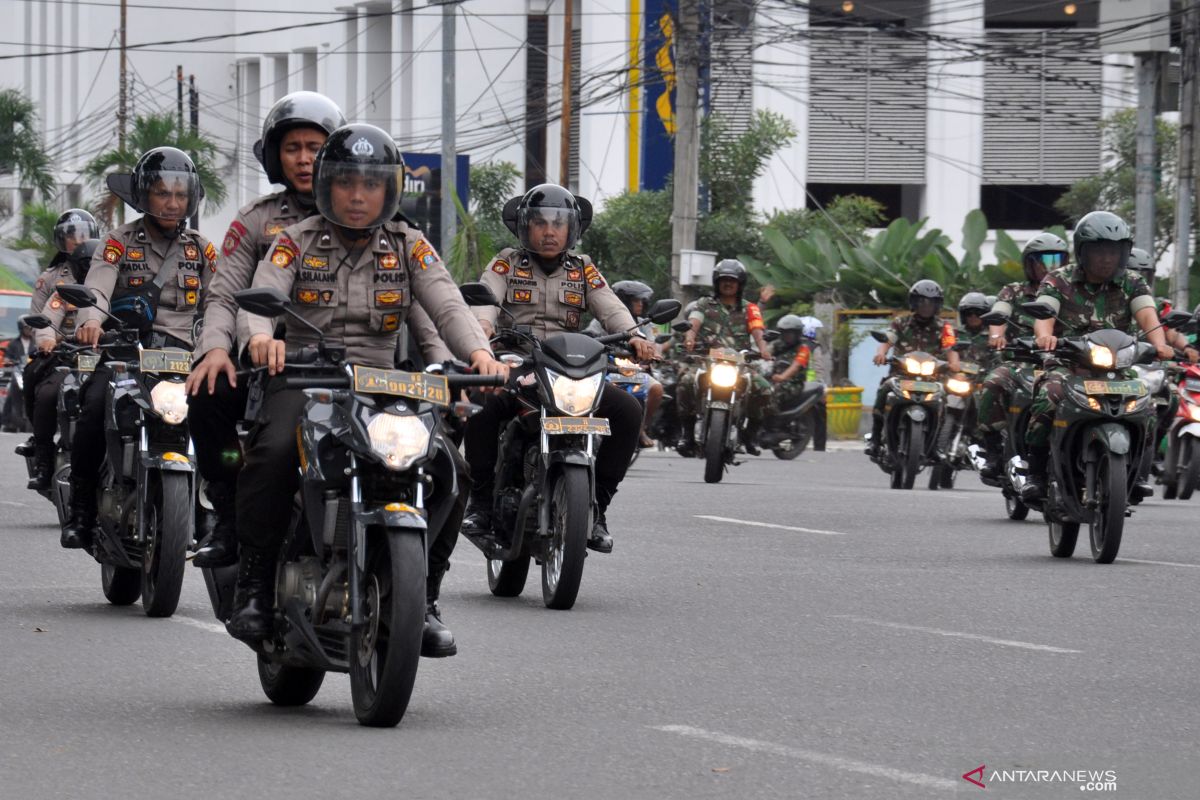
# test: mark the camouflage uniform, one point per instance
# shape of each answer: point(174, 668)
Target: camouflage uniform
point(785, 355)
point(911, 333)
point(1000, 383)
point(726, 327)
point(1081, 310)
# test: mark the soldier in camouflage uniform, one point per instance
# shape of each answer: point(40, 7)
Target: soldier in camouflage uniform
point(921, 330)
point(1042, 253)
point(1097, 293)
point(1143, 263)
point(726, 320)
point(971, 330)
point(795, 350)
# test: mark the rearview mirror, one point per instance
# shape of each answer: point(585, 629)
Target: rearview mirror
point(665, 310)
point(1177, 320)
point(771, 335)
point(478, 294)
point(36, 321)
point(1038, 309)
point(663, 338)
point(681, 327)
point(995, 318)
point(77, 294)
point(266, 301)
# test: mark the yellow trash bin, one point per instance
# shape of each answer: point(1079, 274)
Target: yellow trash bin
point(844, 404)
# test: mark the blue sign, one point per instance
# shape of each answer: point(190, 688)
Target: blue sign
point(422, 200)
point(657, 151)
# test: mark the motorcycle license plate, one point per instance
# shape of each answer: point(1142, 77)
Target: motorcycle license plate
point(176, 361)
point(1115, 387)
point(575, 425)
point(416, 385)
point(919, 386)
point(86, 363)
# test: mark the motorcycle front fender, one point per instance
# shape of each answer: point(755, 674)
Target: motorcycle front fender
point(177, 463)
point(916, 413)
point(408, 520)
point(1113, 436)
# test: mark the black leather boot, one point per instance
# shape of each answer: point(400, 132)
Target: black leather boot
point(477, 517)
point(993, 444)
point(221, 550)
point(687, 437)
point(437, 641)
point(80, 530)
point(27, 447)
point(1034, 490)
point(43, 468)
point(254, 600)
point(600, 539)
point(750, 437)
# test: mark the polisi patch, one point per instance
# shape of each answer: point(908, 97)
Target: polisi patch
point(308, 297)
point(388, 297)
point(191, 298)
point(572, 320)
point(574, 275)
point(274, 229)
point(316, 262)
point(391, 322)
point(573, 299)
point(523, 272)
point(191, 281)
point(522, 296)
point(284, 253)
point(113, 250)
point(327, 297)
point(389, 261)
point(136, 254)
point(191, 252)
point(210, 252)
point(136, 282)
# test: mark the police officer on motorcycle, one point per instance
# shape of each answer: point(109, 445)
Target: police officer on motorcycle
point(544, 285)
point(353, 272)
point(150, 274)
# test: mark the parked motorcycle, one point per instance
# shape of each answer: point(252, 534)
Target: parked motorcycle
point(145, 489)
point(545, 490)
point(913, 410)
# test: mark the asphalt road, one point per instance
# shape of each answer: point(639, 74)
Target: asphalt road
point(799, 630)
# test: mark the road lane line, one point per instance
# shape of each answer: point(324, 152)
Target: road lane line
point(1045, 648)
point(768, 525)
point(211, 627)
point(1161, 563)
point(822, 759)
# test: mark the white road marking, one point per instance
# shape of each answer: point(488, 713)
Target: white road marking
point(769, 525)
point(822, 759)
point(13, 503)
point(1160, 563)
point(1045, 648)
point(211, 627)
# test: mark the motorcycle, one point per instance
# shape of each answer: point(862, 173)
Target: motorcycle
point(1100, 430)
point(545, 489)
point(145, 489)
point(629, 376)
point(913, 410)
point(787, 432)
point(951, 449)
point(723, 383)
point(377, 477)
point(12, 397)
point(1181, 465)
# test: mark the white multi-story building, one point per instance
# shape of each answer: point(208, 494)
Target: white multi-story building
point(934, 107)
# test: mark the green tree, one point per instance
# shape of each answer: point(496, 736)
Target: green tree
point(631, 239)
point(155, 130)
point(1114, 187)
point(481, 231)
point(21, 149)
point(37, 226)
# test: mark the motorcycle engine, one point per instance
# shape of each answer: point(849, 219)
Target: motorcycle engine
point(301, 580)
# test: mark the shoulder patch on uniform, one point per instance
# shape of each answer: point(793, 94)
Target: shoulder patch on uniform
point(500, 266)
point(593, 276)
point(423, 254)
point(949, 339)
point(285, 253)
point(113, 250)
point(754, 318)
point(210, 252)
point(233, 237)
point(41, 281)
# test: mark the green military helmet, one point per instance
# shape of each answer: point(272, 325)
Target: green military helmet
point(991, 301)
point(1043, 253)
point(1102, 233)
point(1142, 262)
point(972, 303)
point(925, 298)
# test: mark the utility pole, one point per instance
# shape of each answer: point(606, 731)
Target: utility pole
point(1144, 177)
point(564, 155)
point(687, 138)
point(122, 106)
point(179, 96)
point(194, 119)
point(449, 165)
point(1184, 184)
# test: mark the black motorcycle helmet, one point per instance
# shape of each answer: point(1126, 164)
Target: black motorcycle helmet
point(74, 226)
point(295, 110)
point(166, 165)
point(925, 298)
point(80, 259)
point(1102, 230)
point(972, 303)
point(730, 268)
point(629, 291)
point(1043, 253)
point(362, 155)
point(548, 201)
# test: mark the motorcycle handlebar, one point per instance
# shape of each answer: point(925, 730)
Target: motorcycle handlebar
point(614, 338)
point(463, 381)
point(316, 382)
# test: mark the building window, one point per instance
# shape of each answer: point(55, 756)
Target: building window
point(1024, 14)
point(898, 200)
point(1022, 207)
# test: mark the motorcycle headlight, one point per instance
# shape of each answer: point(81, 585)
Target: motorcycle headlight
point(723, 375)
point(398, 441)
point(917, 366)
point(169, 400)
point(958, 386)
point(575, 397)
point(1101, 356)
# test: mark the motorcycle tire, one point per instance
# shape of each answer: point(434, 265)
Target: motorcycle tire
point(935, 477)
point(911, 452)
point(949, 476)
point(1063, 536)
point(507, 578)
point(289, 686)
point(1188, 471)
point(797, 444)
point(1108, 481)
point(714, 445)
point(169, 532)
point(122, 586)
point(385, 653)
point(570, 526)
point(1015, 509)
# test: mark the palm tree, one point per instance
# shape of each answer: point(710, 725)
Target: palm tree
point(37, 231)
point(21, 149)
point(155, 130)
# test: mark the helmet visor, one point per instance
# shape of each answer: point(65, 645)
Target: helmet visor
point(358, 196)
point(171, 196)
point(1101, 261)
point(926, 306)
point(548, 230)
point(69, 235)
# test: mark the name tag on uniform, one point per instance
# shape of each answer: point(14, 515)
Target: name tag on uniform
point(416, 385)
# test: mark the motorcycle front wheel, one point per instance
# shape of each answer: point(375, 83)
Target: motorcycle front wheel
point(570, 525)
point(288, 686)
point(385, 652)
point(122, 586)
point(714, 445)
point(1015, 509)
point(1107, 482)
point(1063, 536)
point(801, 436)
point(169, 532)
point(1188, 471)
point(507, 578)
